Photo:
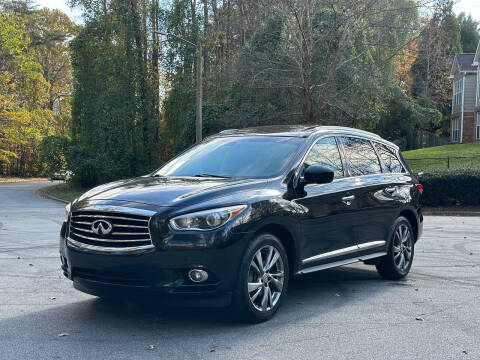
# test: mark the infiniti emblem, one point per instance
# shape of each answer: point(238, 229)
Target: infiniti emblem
point(101, 227)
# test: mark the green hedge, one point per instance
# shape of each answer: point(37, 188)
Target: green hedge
point(451, 187)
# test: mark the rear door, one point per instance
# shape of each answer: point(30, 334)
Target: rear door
point(372, 219)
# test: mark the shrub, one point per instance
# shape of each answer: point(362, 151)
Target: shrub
point(53, 152)
point(451, 187)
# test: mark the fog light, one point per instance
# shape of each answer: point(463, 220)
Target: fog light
point(198, 275)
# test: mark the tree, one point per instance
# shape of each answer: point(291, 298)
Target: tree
point(53, 152)
point(469, 35)
point(438, 44)
point(334, 57)
point(114, 119)
point(24, 92)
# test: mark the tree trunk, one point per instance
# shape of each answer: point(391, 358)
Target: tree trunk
point(206, 32)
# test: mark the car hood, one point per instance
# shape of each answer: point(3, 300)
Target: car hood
point(163, 191)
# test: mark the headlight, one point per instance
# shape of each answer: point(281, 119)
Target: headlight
point(206, 220)
point(67, 210)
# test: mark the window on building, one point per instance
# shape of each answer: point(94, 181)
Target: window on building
point(478, 86)
point(455, 129)
point(457, 92)
point(478, 126)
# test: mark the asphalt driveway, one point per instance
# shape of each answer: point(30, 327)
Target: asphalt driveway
point(336, 314)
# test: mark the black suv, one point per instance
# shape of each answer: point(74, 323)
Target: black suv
point(232, 219)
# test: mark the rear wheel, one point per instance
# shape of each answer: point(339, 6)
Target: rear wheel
point(398, 261)
point(263, 280)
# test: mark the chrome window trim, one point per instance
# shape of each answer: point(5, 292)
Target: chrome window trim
point(344, 251)
point(346, 175)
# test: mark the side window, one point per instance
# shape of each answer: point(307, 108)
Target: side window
point(325, 153)
point(361, 156)
point(389, 159)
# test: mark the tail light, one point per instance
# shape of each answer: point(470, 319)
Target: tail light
point(420, 188)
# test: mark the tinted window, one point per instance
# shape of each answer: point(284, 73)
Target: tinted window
point(361, 157)
point(389, 159)
point(248, 157)
point(325, 153)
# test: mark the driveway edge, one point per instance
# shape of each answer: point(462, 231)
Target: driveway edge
point(451, 213)
point(41, 192)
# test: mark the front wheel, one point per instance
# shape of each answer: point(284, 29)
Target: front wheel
point(263, 280)
point(398, 261)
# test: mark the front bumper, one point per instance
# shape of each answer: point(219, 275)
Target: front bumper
point(159, 274)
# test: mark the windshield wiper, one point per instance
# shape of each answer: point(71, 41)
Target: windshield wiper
point(212, 176)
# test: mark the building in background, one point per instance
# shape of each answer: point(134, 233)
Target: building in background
point(465, 120)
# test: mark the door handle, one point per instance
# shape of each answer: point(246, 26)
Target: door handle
point(390, 190)
point(347, 200)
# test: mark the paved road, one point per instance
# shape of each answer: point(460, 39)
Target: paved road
point(336, 314)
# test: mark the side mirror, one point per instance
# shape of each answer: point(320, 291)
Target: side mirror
point(318, 175)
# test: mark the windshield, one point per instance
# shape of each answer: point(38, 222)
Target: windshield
point(245, 157)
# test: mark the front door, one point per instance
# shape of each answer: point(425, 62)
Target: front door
point(327, 230)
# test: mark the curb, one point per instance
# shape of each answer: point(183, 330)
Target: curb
point(41, 192)
point(452, 213)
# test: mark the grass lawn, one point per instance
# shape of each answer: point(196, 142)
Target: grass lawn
point(472, 149)
point(63, 191)
point(437, 157)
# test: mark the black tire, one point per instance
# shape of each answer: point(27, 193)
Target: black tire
point(244, 309)
point(390, 266)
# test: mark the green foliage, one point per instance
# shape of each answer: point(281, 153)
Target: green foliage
point(53, 152)
point(403, 117)
point(449, 187)
point(114, 127)
point(212, 115)
point(469, 35)
point(438, 44)
point(24, 114)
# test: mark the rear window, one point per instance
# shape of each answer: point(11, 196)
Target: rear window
point(389, 159)
point(361, 156)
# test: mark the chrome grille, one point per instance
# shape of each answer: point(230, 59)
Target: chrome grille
point(128, 231)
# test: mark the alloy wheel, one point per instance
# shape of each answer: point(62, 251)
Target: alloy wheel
point(266, 276)
point(402, 248)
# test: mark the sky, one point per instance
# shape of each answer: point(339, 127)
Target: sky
point(468, 6)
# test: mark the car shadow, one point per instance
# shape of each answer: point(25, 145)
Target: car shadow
point(323, 291)
point(313, 300)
